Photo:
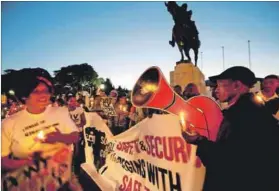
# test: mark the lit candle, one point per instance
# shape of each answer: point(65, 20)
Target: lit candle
point(182, 120)
point(40, 137)
point(124, 109)
point(259, 99)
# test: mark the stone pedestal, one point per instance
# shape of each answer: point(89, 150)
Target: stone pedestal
point(185, 73)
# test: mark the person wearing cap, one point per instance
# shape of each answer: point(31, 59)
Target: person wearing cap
point(246, 152)
point(20, 131)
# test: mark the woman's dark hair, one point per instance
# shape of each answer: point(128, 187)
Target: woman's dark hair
point(29, 79)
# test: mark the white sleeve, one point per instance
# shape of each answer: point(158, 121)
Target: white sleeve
point(6, 137)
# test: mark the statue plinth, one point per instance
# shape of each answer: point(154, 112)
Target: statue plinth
point(184, 62)
point(185, 73)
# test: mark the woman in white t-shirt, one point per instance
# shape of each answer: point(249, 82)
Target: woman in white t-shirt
point(20, 131)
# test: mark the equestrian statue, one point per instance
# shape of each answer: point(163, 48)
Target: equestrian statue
point(184, 32)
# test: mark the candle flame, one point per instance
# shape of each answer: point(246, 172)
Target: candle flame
point(182, 120)
point(259, 99)
point(124, 109)
point(41, 135)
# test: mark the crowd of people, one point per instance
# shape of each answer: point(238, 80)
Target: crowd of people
point(250, 123)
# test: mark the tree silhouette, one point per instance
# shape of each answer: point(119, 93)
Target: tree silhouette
point(122, 91)
point(75, 76)
point(72, 78)
point(108, 86)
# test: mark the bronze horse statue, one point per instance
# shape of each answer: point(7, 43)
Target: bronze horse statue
point(184, 32)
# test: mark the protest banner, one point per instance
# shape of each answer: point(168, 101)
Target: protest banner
point(45, 174)
point(107, 106)
point(151, 155)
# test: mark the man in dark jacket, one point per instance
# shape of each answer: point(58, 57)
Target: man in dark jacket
point(245, 155)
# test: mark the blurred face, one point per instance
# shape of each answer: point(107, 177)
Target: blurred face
point(113, 94)
point(225, 90)
point(270, 85)
point(177, 90)
point(72, 102)
point(55, 104)
point(113, 101)
point(102, 94)
point(122, 100)
point(193, 90)
point(213, 92)
point(39, 97)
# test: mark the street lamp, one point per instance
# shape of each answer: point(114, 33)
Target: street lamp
point(11, 92)
point(249, 54)
point(223, 54)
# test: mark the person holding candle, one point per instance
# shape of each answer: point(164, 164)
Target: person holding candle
point(246, 153)
point(122, 112)
point(38, 128)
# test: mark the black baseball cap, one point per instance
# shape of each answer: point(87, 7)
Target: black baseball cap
point(241, 73)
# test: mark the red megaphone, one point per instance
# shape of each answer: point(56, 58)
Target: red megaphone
point(200, 112)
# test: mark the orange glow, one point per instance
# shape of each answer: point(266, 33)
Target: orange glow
point(259, 99)
point(124, 109)
point(148, 87)
point(41, 135)
point(182, 120)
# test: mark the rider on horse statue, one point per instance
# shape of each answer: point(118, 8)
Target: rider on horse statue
point(183, 19)
point(184, 32)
